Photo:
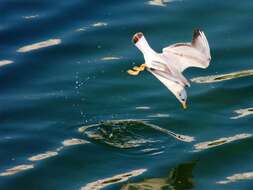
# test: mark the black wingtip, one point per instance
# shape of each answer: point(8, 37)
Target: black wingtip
point(196, 33)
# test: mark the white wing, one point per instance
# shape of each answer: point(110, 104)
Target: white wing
point(194, 54)
point(172, 84)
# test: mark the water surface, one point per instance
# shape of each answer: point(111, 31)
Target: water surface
point(72, 118)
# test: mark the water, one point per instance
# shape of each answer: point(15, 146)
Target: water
point(72, 118)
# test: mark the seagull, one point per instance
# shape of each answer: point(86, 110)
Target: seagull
point(174, 59)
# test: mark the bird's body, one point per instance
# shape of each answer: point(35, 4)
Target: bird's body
point(169, 65)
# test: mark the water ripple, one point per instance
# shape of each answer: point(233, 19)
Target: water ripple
point(102, 183)
point(5, 62)
point(221, 141)
point(222, 77)
point(39, 45)
point(130, 134)
point(237, 177)
point(242, 113)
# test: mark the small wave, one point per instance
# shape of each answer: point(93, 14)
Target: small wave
point(74, 141)
point(159, 115)
point(30, 16)
point(81, 29)
point(99, 24)
point(242, 113)
point(43, 156)
point(223, 77)
point(5, 62)
point(17, 169)
point(110, 58)
point(142, 107)
point(39, 45)
point(221, 141)
point(102, 183)
point(161, 3)
point(237, 177)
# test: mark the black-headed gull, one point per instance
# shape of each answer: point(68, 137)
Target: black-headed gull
point(169, 65)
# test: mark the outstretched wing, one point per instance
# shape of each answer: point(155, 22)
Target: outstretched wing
point(194, 54)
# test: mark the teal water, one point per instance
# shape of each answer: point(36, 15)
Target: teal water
point(72, 118)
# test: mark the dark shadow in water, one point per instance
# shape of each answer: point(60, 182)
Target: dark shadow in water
point(129, 133)
point(179, 178)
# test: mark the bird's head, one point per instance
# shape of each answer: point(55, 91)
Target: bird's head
point(137, 37)
point(182, 97)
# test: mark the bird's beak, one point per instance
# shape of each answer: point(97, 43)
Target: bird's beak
point(184, 105)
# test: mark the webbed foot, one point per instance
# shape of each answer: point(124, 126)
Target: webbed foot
point(136, 70)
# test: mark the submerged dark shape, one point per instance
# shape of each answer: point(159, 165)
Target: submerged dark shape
point(179, 178)
point(129, 133)
point(119, 134)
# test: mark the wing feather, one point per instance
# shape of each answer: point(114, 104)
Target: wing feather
point(175, 87)
point(194, 54)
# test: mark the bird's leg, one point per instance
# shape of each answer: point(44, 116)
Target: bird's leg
point(135, 71)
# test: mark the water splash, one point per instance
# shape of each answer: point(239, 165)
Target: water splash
point(102, 183)
point(39, 45)
point(242, 113)
point(223, 77)
point(221, 141)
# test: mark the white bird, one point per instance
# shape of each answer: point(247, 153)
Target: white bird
point(174, 59)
